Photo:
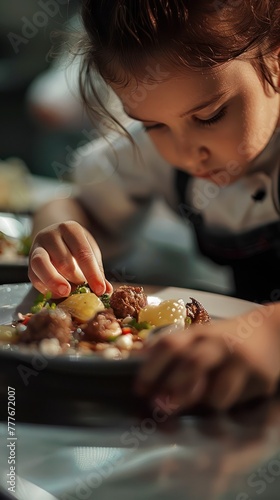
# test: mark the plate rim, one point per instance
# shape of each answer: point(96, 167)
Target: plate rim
point(61, 363)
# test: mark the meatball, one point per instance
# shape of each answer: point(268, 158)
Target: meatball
point(48, 324)
point(103, 327)
point(128, 300)
point(197, 312)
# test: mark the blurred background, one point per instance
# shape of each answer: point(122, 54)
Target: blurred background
point(29, 126)
point(42, 122)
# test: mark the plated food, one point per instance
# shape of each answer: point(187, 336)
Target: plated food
point(15, 240)
point(112, 327)
point(12, 249)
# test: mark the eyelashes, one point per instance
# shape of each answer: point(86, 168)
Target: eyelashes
point(153, 127)
point(203, 123)
point(216, 118)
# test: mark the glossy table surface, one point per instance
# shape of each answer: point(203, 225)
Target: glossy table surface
point(225, 457)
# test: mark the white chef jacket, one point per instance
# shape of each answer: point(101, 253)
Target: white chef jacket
point(118, 182)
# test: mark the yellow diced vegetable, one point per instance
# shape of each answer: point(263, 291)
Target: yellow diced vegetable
point(8, 334)
point(83, 306)
point(165, 313)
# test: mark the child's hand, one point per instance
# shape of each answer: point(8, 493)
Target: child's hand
point(219, 364)
point(64, 253)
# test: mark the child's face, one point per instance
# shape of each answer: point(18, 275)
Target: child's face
point(233, 121)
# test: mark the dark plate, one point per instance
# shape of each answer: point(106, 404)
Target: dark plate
point(66, 389)
point(56, 390)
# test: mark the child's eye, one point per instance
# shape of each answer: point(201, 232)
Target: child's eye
point(156, 126)
point(214, 119)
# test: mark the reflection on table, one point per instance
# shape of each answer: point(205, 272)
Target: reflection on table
point(225, 457)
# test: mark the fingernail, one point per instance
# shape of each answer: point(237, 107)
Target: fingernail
point(99, 289)
point(63, 290)
point(109, 287)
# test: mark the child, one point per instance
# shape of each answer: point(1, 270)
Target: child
point(200, 80)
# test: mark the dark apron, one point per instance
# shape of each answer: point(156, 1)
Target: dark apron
point(254, 256)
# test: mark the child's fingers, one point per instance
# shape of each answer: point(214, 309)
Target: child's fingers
point(63, 289)
point(226, 385)
point(158, 359)
point(259, 386)
point(36, 282)
point(109, 287)
point(174, 359)
point(190, 370)
point(204, 352)
point(190, 395)
point(44, 276)
point(183, 397)
point(73, 254)
point(87, 255)
point(55, 252)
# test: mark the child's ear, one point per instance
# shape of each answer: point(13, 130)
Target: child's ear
point(275, 68)
point(278, 61)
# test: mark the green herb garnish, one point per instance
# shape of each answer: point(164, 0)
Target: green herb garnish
point(144, 325)
point(24, 245)
point(83, 288)
point(42, 301)
point(105, 298)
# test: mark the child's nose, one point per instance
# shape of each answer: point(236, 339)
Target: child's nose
point(196, 157)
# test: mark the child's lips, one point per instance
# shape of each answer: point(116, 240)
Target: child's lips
point(208, 175)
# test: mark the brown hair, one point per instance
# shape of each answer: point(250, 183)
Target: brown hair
point(125, 34)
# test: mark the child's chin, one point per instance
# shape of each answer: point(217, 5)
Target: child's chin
point(222, 179)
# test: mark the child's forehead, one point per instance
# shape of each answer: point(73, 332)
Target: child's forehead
point(159, 72)
point(180, 93)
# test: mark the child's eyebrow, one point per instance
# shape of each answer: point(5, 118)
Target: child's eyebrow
point(213, 99)
point(203, 105)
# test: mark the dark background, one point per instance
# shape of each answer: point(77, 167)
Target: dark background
point(22, 59)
